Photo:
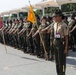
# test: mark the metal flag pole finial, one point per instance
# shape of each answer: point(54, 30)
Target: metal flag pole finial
point(29, 2)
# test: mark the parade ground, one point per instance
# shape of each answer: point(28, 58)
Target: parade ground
point(15, 62)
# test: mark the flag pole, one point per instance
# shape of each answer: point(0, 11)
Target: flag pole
point(42, 43)
point(41, 40)
point(1, 26)
point(4, 40)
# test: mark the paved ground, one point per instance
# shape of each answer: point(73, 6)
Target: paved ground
point(16, 62)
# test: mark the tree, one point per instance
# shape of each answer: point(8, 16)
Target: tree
point(65, 8)
point(69, 7)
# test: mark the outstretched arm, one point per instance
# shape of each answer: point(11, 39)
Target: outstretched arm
point(37, 32)
point(45, 29)
point(73, 28)
point(30, 33)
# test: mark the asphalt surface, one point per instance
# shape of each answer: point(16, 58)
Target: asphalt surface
point(15, 62)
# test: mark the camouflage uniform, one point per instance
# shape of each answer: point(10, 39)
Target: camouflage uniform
point(23, 35)
point(15, 36)
point(20, 39)
point(36, 39)
point(7, 38)
point(29, 40)
point(71, 24)
point(46, 39)
point(51, 40)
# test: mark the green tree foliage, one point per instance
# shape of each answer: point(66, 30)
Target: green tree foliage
point(69, 7)
point(65, 8)
point(23, 14)
point(14, 16)
point(38, 12)
point(50, 9)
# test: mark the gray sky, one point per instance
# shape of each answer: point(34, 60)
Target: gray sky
point(6, 5)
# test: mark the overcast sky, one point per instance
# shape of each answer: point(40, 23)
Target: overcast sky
point(6, 5)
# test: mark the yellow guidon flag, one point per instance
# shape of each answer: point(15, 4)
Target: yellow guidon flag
point(31, 15)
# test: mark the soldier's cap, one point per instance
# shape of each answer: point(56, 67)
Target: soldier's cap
point(73, 15)
point(44, 17)
point(21, 19)
point(13, 20)
point(57, 13)
point(49, 18)
point(37, 16)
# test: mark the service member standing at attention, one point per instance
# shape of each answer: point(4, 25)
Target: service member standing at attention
point(71, 24)
point(60, 42)
point(45, 37)
point(36, 39)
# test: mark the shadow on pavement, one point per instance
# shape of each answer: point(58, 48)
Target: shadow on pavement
point(26, 57)
point(31, 59)
point(72, 54)
point(71, 59)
